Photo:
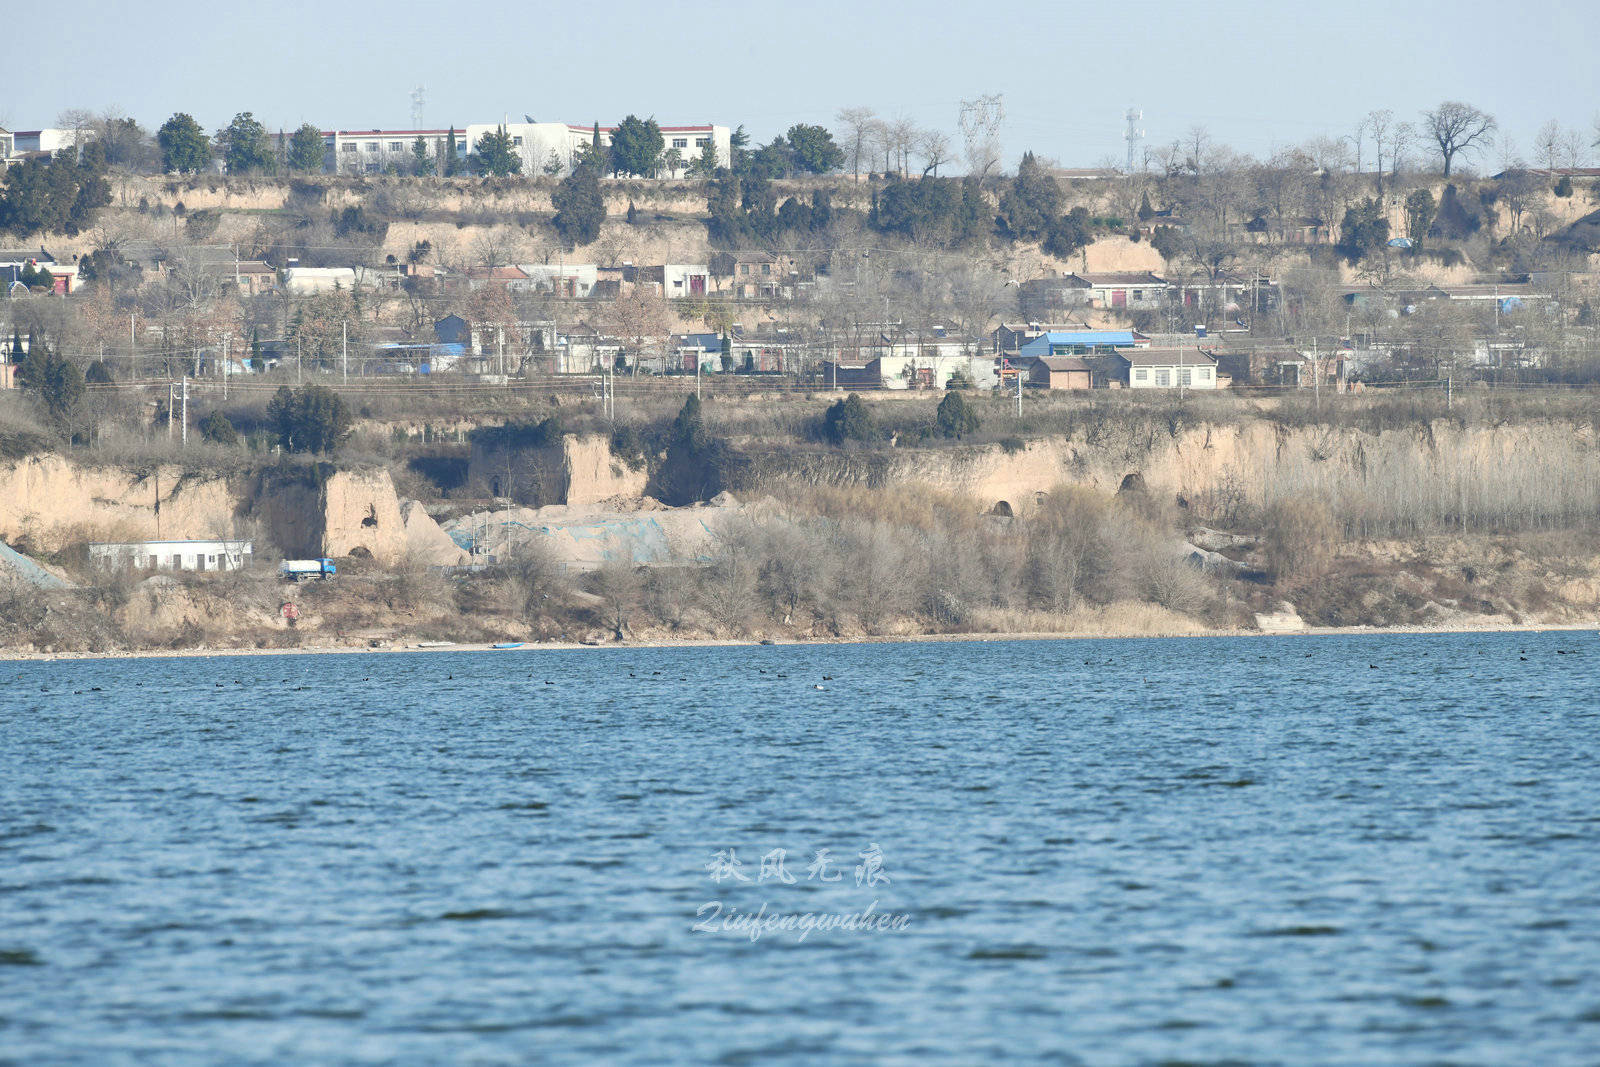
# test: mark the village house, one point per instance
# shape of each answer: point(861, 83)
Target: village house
point(8, 148)
point(766, 353)
point(253, 277)
point(1008, 337)
point(223, 555)
point(506, 277)
point(1119, 290)
point(568, 280)
point(552, 147)
point(1058, 372)
point(1167, 368)
point(1081, 342)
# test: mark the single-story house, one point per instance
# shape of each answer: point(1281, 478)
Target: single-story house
point(1168, 368)
point(843, 374)
point(173, 555)
point(1059, 372)
point(306, 280)
point(1082, 342)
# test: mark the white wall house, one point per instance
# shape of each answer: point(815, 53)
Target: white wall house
point(174, 555)
point(573, 280)
point(1169, 368)
point(49, 140)
point(305, 280)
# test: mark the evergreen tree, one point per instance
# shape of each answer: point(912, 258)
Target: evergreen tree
point(494, 156)
point(580, 207)
point(847, 420)
point(636, 147)
point(216, 428)
point(704, 165)
point(244, 144)
point(185, 149)
point(956, 417)
point(306, 150)
point(812, 149)
point(421, 158)
point(1364, 231)
point(1032, 203)
point(452, 155)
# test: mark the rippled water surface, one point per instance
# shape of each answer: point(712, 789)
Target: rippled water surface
point(1319, 850)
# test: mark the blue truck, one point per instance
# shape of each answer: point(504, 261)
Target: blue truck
point(296, 570)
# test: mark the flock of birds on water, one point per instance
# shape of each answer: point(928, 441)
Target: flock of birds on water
point(1522, 656)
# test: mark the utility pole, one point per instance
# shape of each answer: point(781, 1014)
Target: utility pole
point(1316, 378)
point(1180, 368)
point(226, 338)
point(697, 394)
point(1018, 371)
point(297, 360)
point(344, 347)
point(185, 416)
point(133, 369)
point(172, 398)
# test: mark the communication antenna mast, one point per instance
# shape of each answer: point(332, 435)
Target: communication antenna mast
point(1133, 134)
point(419, 97)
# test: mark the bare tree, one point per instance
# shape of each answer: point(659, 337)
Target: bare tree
point(903, 134)
point(1549, 146)
point(934, 148)
point(1456, 127)
point(1390, 139)
point(980, 124)
point(858, 123)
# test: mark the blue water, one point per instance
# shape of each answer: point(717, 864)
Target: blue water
point(1279, 851)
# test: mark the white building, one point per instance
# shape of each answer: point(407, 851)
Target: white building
point(173, 555)
point(568, 279)
point(1169, 368)
point(48, 140)
point(372, 151)
point(551, 147)
point(305, 280)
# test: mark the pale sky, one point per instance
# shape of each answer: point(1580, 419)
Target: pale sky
point(1258, 75)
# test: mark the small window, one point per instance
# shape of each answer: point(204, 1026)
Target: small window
point(350, 147)
point(680, 142)
point(397, 146)
point(1141, 375)
point(701, 142)
point(1163, 377)
point(516, 141)
point(212, 559)
point(372, 146)
point(766, 268)
point(1185, 377)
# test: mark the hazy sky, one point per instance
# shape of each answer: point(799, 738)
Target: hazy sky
point(1258, 75)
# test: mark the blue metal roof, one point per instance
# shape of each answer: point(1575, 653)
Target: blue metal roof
point(1045, 342)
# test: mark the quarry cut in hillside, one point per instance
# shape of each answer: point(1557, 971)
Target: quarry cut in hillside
point(50, 504)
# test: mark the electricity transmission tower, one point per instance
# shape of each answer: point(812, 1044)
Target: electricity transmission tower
point(1133, 134)
point(418, 98)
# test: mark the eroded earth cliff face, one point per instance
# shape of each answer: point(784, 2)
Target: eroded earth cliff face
point(51, 503)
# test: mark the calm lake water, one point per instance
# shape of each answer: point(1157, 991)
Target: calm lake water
point(1352, 850)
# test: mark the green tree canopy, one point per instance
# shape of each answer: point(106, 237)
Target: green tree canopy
point(185, 149)
point(313, 419)
point(812, 149)
point(306, 150)
point(580, 207)
point(216, 428)
point(422, 162)
point(56, 381)
point(1032, 203)
point(956, 417)
point(495, 156)
point(244, 145)
point(704, 165)
point(847, 420)
point(636, 147)
point(1365, 230)
point(56, 195)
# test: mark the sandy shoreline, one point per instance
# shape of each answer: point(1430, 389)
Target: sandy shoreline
point(9, 655)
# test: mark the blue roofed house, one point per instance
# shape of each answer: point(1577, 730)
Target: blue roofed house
point(1081, 342)
point(696, 350)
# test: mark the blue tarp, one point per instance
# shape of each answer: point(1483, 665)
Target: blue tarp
point(28, 570)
